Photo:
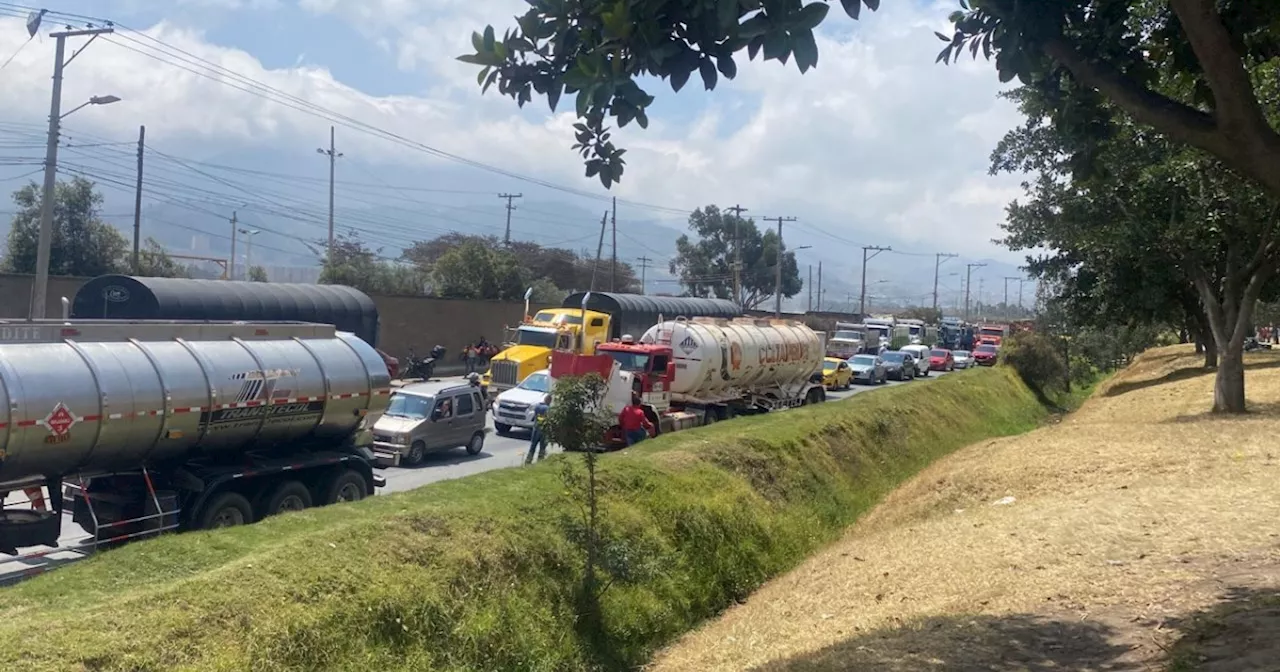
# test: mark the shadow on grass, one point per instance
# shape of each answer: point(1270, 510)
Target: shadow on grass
point(1184, 374)
point(1241, 632)
point(998, 644)
point(1252, 410)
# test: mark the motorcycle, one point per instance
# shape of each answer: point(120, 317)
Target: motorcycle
point(423, 367)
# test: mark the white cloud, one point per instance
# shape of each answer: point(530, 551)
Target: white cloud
point(878, 143)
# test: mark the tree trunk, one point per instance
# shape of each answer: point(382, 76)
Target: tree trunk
point(1210, 356)
point(1228, 385)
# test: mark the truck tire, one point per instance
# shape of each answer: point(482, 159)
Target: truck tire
point(287, 496)
point(347, 486)
point(228, 509)
point(25, 527)
point(417, 453)
point(501, 428)
point(476, 444)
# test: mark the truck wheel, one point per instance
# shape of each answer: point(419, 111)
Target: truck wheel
point(288, 496)
point(226, 510)
point(501, 428)
point(417, 452)
point(476, 444)
point(347, 486)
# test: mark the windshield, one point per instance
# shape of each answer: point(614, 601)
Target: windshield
point(537, 382)
point(939, 353)
point(846, 335)
point(914, 330)
point(895, 357)
point(409, 406)
point(829, 366)
point(542, 339)
point(630, 361)
point(880, 332)
point(960, 353)
point(987, 348)
point(991, 331)
point(560, 318)
point(864, 360)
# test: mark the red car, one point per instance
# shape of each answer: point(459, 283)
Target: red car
point(940, 359)
point(985, 355)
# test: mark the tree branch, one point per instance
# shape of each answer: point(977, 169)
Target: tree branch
point(1170, 117)
point(1236, 105)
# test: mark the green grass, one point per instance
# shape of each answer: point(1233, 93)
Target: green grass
point(480, 573)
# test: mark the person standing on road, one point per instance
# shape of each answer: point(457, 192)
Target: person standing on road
point(634, 423)
point(538, 437)
point(473, 355)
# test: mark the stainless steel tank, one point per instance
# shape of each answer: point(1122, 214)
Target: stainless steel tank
point(99, 405)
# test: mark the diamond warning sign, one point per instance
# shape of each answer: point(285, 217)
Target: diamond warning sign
point(60, 420)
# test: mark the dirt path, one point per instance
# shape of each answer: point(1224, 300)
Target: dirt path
point(1137, 534)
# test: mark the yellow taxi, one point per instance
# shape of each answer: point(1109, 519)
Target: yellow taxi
point(836, 374)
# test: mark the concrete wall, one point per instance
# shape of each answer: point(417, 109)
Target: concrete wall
point(407, 321)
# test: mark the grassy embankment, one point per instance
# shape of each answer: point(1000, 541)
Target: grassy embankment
point(480, 574)
point(1142, 534)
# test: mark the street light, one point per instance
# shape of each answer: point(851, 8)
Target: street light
point(248, 250)
point(95, 100)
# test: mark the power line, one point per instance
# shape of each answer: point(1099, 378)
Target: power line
point(862, 305)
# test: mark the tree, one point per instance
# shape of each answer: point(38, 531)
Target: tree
point(1141, 221)
point(1110, 48)
point(475, 271)
point(705, 265)
point(354, 264)
point(565, 269)
point(155, 262)
point(83, 245)
point(257, 274)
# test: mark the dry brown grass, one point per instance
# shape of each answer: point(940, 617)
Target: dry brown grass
point(1131, 515)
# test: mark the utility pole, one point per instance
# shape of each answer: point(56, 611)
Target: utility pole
point(644, 267)
point(982, 312)
point(510, 197)
point(968, 283)
point(604, 221)
point(1007, 278)
point(737, 211)
point(44, 243)
point(231, 266)
point(333, 155)
point(1020, 281)
point(862, 304)
point(613, 277)
point(810, 286)
point(137, 202)
point(937, 264)
point(777, 267)
point(819, 285)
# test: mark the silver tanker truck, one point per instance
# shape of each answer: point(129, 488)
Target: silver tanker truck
point(140, 426)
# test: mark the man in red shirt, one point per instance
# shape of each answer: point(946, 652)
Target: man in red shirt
point(634, 423)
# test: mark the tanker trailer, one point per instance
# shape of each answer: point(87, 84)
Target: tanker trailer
point(180, 425)
point(691, 372)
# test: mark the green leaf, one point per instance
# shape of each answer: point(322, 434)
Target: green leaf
point(852, 8)
point(873, 5)
point(642, 119)
point(708, 70)
point(942, 37)
point(477, 41)
point(584, 101)
point(754, 26)
point(488, 38)
point(577, 78)
point(727, 13)
point(1007, 75)
point(553, 95)
point(679, 76)
point(480, 78)
point(493, 77)
point(813, 14)
point(727, 67)
point(754, 47)
point(806, 51)
point(776, 46)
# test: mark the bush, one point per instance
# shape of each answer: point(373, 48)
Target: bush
point(482, 573)
point(1038, 359)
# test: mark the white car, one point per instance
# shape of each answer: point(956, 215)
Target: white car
point(920, 353)
point(514, 407)
point(963, 358)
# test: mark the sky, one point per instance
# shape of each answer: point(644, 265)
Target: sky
point(879, 145)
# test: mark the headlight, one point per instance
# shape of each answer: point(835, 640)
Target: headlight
point(402, 439)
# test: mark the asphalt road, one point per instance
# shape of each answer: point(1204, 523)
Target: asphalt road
point(499, 452)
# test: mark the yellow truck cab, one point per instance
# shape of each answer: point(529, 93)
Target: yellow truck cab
point(608, 316)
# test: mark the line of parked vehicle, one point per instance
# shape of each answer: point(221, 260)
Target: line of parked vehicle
point(906, 363)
